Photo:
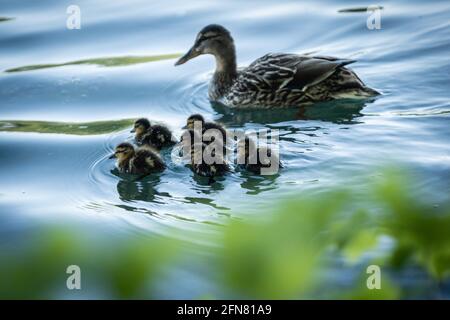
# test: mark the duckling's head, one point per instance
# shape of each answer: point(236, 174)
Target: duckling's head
point(141, 126)
point(212, 39)
point(123, 152)
point(192, 119)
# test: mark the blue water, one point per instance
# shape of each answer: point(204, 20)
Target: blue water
point(57, 176)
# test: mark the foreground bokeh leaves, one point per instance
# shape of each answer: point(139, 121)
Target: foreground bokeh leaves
point(287, 252)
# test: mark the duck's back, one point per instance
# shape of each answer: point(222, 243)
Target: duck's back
point(279, 79)
point(159, 136)
point(146, 161)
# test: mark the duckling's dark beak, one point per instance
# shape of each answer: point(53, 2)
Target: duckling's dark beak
point(113, 156)
point(192, 53)
point(133, 131)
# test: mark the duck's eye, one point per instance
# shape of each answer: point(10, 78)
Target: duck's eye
point(207, 37)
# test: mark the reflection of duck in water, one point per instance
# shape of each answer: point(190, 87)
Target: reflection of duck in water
point(337, 111)
point(142, 160)
point(141, 190)
point(257, 159)
point(258, 184)
point(276, 79)
point(156, 136)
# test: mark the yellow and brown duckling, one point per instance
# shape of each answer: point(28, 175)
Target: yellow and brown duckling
point(142, 160)
point(205, 125)
point(188, 138)
point(207, 164)
point(257, 159)
point(156, 136)
point(208, 135)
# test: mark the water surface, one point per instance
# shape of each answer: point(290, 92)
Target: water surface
point(67, 97)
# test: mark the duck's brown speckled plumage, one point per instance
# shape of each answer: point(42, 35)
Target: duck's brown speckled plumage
point(276, 79)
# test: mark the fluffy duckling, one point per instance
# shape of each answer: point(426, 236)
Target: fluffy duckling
point(201, 166)
point(187, 140)
point(249, 157)
point(205, 125)
point(208, 137)
point(142, 160)
point(154, 135)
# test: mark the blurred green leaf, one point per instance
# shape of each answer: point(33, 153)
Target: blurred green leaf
point(104, 62)
point(75, 128)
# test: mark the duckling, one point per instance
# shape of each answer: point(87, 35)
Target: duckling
point(204, 124)
point(156, 136)
point(201, 166)
point(142, 160)
point(249, 157)
point(276, 79)
point(188, 138)
point(208, 136)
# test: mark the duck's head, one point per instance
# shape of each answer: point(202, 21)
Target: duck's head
point(192, 119)
point(123, 152)
point(140, 127)
point(212, 39)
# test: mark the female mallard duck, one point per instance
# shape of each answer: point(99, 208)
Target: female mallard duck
point(276, 79)
point(201, 165)
point(142, 160)
point(257, 159)
point(154, 135)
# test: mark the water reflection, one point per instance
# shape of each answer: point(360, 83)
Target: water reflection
point(258, 184)
point(340, 112)
point(139, 188)
point(209, 185)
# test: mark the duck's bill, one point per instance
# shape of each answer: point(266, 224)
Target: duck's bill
point(192, 53)
point(132, 130)
point(113, 156)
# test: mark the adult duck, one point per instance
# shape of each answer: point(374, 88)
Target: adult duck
point(276, 79)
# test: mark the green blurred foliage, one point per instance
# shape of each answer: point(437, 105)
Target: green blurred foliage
point(421, 231)
point(104, 62)
point(283, 254)
point(111, 267)
point(4, 19)
point(75, 128)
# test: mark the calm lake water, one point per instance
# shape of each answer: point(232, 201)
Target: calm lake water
point(66, 174)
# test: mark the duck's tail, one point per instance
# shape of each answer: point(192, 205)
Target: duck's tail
point(362, 92)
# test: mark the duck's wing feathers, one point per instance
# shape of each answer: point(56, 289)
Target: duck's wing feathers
point(277, 71)
point(147, 158)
